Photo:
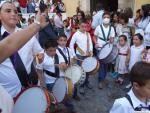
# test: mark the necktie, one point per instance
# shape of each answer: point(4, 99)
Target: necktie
point(142, 107)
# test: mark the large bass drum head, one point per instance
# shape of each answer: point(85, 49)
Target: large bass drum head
point(105, 51)
point(74, 73)
point(59, 89)
point(89, 64)
point(32, 100)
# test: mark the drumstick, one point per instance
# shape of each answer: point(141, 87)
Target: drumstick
point(78, 59)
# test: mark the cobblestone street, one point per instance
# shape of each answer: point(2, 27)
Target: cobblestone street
point(100, 101)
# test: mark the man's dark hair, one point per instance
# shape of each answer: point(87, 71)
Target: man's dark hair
point(50, 43)
point(62, 35)
point(43, 7)
point(140, 73)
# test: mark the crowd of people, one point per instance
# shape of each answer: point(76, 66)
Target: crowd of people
point(62, 43)
point(31, 6)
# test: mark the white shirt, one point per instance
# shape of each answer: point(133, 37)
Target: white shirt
point(6, 101)
point(81, 40)
point(64, 50)
point(147, 36)
point(58, 22)
point(143, 23)
point(135, 55)
point(97, 19)
point(48, 64)
point(8, 77)
point(98, 32)
point(122, 105)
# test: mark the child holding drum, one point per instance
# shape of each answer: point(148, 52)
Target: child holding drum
point(121, 66)
point(67, 55)
point(104, 34)
point(52, 68)
point(83, 50)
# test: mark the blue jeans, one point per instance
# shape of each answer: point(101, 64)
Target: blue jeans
point(67, 103)
point(102, 72)
point(86, 82)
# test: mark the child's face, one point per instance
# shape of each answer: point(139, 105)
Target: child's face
point(9, 15)
point(115, 18)
point(136, 41)
point(143, 91)
point(121, 21)
point(83, 27)
point(51, 51)
point(62, 41)
point(122, 42)
point(79, 16)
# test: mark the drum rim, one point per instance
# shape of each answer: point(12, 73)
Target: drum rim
point(46, 93)
point(92, 69)
point(66, 80)
point(80, 76)
point(101, 50)
point(54, 84)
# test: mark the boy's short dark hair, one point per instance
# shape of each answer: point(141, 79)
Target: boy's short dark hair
point(124, 17)
point(62, 35)
point(82, 21)
point(50, 43)
point(106, 13)
point(140, 73)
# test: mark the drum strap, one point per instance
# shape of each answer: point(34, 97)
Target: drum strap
point(130, 101)
point(67, 61)
point(56, 74)
point(88, 43)
point(50, 74)
point(104, 37)
point(56, 68)
point(18, 65)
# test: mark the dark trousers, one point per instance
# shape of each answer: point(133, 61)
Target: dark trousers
point(102, 72)
point(87, 76)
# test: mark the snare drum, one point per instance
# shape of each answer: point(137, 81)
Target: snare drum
point(33, 100)
point(90, 65)
point(63, 89)
point(76, 74)
point(108, 53)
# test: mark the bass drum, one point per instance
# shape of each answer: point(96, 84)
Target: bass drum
point(76, 74)
point(90, 65)
point(63, 89)
point(33, 100)
point(108, 53)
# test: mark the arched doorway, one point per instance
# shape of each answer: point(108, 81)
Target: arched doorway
point(111, 5)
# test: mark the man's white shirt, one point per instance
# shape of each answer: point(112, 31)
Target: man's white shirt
point(8, 77)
